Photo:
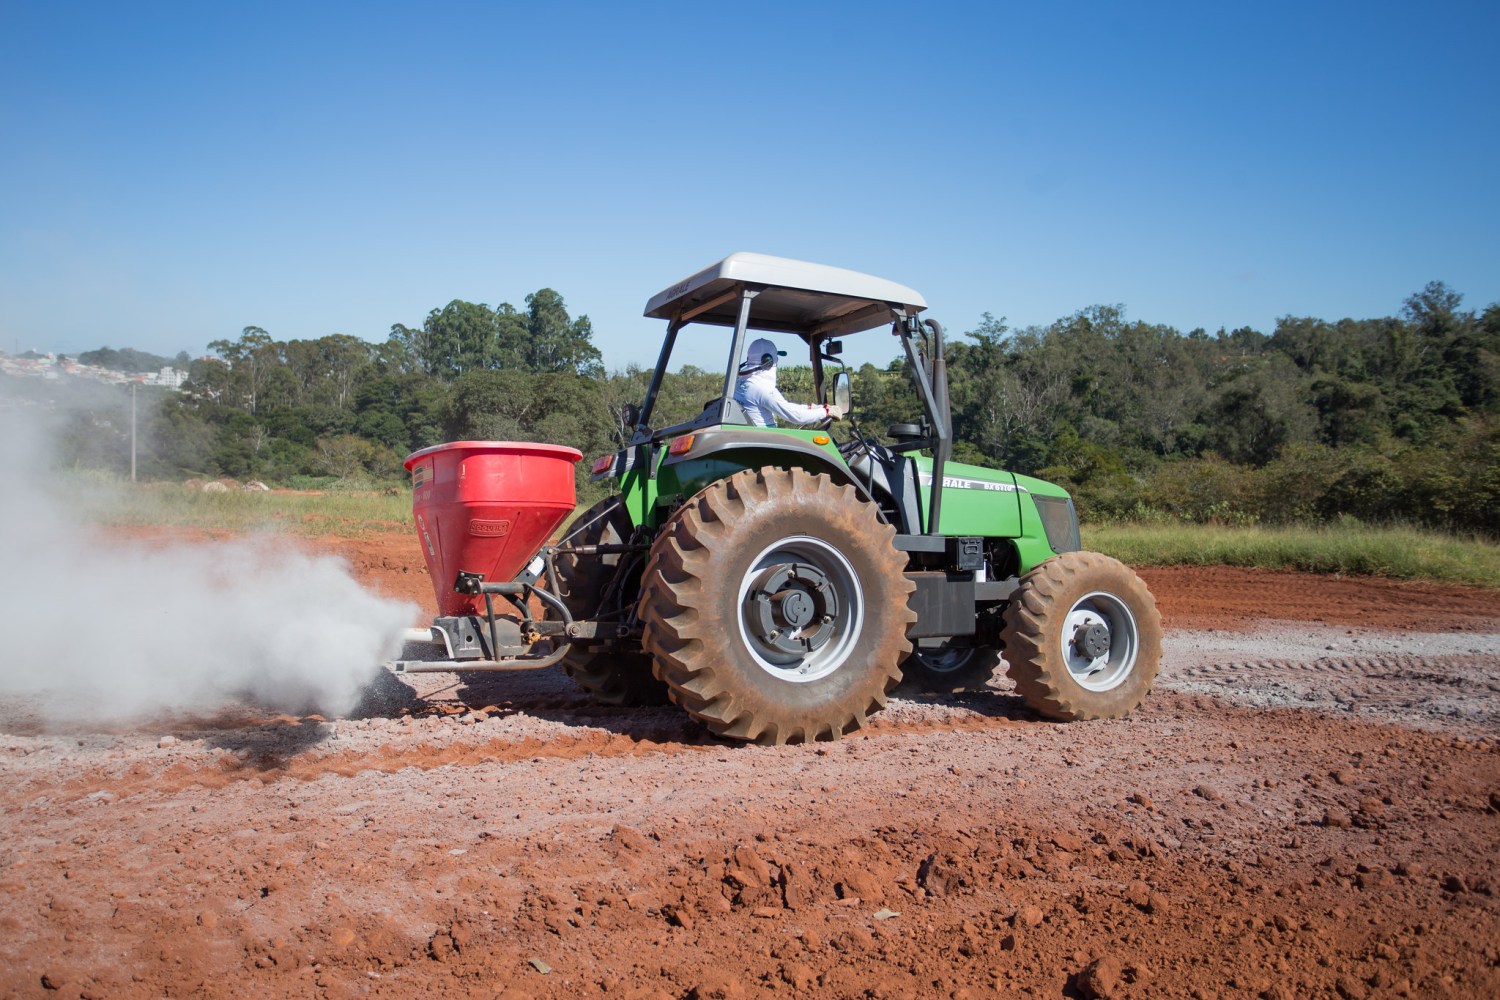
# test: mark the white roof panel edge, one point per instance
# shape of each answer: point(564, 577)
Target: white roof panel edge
point(764, 269)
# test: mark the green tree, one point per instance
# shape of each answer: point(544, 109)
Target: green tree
point(513, 337)
point(1473, 356)
point(461, 337)
point(126, 360)
point(404, 351)
point(1009, 391)
point(402, 411)
point(1259, 411)
point(555, 407)
point(212, 383)
point(251, 360)
point(344, 456)
point(340, 359)
point(1434, 314)
point(180, 437)
point(1348, 412)
point(557, 343)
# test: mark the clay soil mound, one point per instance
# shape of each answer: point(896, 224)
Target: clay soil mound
point(1308, 805)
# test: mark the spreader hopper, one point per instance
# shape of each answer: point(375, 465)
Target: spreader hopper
point(485, 508)
point(484, 511)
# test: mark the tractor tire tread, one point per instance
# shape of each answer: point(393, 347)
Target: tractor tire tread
point(1033, 647)
point(685, 555)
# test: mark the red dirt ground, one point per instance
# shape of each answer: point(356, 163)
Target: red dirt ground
point(506, 838)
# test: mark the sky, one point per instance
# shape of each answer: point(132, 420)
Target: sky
point(173, 172)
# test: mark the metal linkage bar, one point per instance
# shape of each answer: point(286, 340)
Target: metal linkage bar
point(518, 594)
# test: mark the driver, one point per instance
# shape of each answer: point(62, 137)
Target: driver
point(762, 402)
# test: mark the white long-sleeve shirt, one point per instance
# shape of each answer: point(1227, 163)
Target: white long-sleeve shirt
point(763, 403)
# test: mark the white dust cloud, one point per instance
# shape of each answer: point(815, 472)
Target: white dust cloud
point(97, 628)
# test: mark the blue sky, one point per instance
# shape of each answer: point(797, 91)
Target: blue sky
point(173, 172)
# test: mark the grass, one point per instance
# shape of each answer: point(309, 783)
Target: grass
point(352, 512)
point(1401, 553)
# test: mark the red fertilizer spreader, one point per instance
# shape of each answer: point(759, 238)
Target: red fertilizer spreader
point(484, 511)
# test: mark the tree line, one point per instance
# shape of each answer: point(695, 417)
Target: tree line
point(133, 362)
point(1389, 419)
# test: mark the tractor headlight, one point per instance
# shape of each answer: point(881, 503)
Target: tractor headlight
point(1060, 522)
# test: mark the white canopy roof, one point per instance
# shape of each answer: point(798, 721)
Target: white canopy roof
point(796, 296)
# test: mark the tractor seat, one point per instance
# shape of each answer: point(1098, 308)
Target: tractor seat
point(906, 433)
point(908, 437)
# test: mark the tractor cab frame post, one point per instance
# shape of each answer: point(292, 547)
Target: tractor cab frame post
point(930, 372)
point(737, 348)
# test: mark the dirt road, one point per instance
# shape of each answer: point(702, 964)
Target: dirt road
point(1308, 805)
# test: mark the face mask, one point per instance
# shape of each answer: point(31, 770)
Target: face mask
point(767, 361)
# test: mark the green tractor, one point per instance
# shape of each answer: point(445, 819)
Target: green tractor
point(779, 583)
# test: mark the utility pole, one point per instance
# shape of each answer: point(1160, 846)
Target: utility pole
point(132, 432)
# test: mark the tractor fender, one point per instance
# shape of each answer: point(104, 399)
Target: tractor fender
point(714, 454)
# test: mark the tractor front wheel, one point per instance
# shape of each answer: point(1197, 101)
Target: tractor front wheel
point(1083, 638)
point(775, 607)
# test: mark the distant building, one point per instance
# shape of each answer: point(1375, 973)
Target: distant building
point(170, 377)
point(47, 366)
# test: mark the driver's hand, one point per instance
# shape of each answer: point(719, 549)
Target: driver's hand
point(835, 411)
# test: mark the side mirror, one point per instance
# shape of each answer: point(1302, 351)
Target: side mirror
point(843, 397)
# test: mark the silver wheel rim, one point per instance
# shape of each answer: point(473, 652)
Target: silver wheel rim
point(821, 560)
point(1099, 642)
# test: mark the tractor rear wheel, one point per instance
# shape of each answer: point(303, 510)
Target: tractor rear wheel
point(611, 676)
point(775, 606)
point(948, 668)
point(1083, 638)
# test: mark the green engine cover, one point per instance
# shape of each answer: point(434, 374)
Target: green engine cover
point(987, 503)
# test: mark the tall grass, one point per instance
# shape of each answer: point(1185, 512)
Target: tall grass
point(350, 512)
point(1356, 550)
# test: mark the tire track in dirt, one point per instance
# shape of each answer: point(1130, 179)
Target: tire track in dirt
point(1444, 690)
point(427, 744)
point(1440, 669)
point(454, 725)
